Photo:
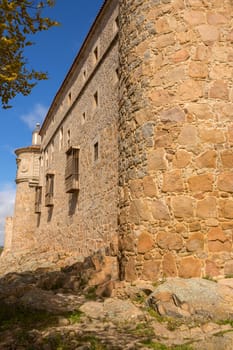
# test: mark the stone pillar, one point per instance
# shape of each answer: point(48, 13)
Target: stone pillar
point(176, 138)
point(24, 220)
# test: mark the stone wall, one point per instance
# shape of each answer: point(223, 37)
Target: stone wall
point(24, 223)
point(176, 138)
point(84, 221)
point(8, 233)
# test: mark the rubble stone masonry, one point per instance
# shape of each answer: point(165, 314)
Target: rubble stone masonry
point(8, 233)
point(176, 138)
point(84, 116)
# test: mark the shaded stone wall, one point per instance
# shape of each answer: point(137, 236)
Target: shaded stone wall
point(24, 221)
point(176, 137)
point(85, 221)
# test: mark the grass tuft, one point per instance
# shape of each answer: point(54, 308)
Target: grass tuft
point(158, 346)
point(75, 317)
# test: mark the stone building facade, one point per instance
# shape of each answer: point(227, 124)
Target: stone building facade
point(145, 119)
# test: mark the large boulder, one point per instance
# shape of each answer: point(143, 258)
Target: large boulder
point(114, 309)
point(194, 297)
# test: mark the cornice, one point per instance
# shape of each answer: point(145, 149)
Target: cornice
point(29, 149)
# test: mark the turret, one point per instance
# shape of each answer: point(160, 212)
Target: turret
point(176, 138)
point(27, 179)
point(36, 139)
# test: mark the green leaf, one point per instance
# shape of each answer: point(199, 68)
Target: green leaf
point(18, 19)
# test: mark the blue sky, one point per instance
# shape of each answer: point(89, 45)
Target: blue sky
point(53, 52)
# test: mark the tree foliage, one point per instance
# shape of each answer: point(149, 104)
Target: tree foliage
point(19, 20)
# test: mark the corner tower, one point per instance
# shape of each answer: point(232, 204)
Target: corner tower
point(27, 178)
point(176, 138)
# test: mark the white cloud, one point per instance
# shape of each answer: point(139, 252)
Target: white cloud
point(36, 115)
point(7, 200)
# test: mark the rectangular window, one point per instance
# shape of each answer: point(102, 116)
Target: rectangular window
point(52, 151)
point(68, 138)
point(96, 99)
point(84, 74)
point(116, 24)
point(47, 158)
point(38, 199)
point(41, 161)
point(69, 98)
point(96, 54)
point(72, 170)
point(49, 190)
point(96, 151)
point(61, 138)
point(83, 117)
point(117, 74)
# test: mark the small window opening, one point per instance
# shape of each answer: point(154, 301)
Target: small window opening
point(38, 199)
point(96, 151)
point(117, 74)
point(46, 158)
point(61, 138)
point(84, 73)
point(96, 54)
point(68, 138)
point(41, 161)
point(83, 117)
point(116, 24)
point(96, 99)
point(69, 98)
point(52, 151)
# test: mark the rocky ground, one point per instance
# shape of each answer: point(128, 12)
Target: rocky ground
point(62, 310)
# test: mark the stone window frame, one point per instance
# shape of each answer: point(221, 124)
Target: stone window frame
point(96, 99)
point(49, 189)
point(38, 199)
point(41, 160)
point(83, 117)
point(84, 74)
point(52, 151)
point(46, 158)
point(70, 98)
point(96, 151)
point(96, 53)
point(96, 148)
point(72, 169)
point(116, 25)
point(68, 138)
point(61, 138)
point(117, 75)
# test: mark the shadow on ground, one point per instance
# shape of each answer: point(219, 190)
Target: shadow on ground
point(41, 310)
